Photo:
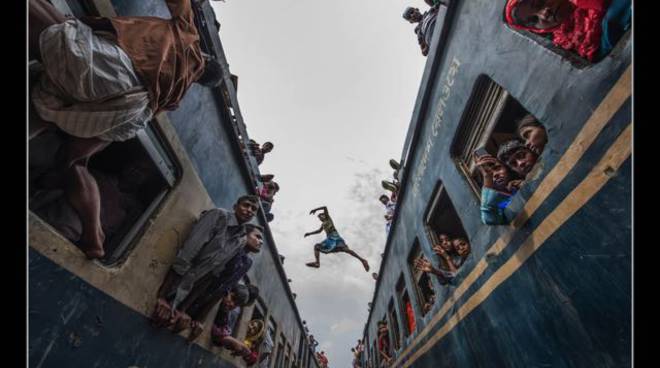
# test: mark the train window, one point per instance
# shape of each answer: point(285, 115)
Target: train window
point(441, 217)
point(615, 22)
point(485, 107)
point(405, 307)
point(133, 177)
point(423, 286)
point(394, 325)
point(495, 124)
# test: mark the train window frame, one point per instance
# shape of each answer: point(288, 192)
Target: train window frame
point(401, 295)
point(417, 277)
point(394, 325)
point(441, 210)
point(573, 58)
point(489, 119)
point(156, 150)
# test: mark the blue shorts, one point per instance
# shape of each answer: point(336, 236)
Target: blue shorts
point(332, 243)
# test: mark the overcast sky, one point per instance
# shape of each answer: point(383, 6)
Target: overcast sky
point(332, 84)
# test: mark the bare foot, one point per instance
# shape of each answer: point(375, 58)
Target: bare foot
point(366, 265)
point(313, 264)
point(161, 313)
point(92, 244)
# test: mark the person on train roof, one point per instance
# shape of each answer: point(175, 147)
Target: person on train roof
point(227, 318)
point(104, 79)
point(589, 28)
point(518, 157)
point(260, 151)
point(499, 185)
point(424, 28)
point(333, 242)
point(390, 206)
point(210, 248)
point(533, 133)
point(267, 193)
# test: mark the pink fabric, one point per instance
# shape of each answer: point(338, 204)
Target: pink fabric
point(581, 32)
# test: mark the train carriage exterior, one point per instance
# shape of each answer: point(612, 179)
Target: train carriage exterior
point(553, 287)
point(95, 313)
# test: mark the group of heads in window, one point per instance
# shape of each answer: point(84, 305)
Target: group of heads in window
point(503, 175)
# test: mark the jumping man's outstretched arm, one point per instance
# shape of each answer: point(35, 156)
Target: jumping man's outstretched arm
point(324, 208)
point(313, 232)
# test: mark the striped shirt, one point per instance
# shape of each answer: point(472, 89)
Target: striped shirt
point(89, 87)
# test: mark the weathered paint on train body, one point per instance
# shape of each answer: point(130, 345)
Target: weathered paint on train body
point(553, 288)
point(87, 314)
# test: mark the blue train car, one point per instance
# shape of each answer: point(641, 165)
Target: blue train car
point(95, 313)
point(552, 288)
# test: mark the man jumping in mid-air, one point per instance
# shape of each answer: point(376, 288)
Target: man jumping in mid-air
point(333, 242)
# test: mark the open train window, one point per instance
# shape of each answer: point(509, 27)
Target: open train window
point(133, 177)
point(612, 26)
point(405, 307)
point(488, 121)
point(441, 217)
point(423, 286)
point(394, 325)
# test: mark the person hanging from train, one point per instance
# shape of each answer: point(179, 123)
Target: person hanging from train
point(425, 24)
point(590, 28)
point(393, 185)
point(259, 151)
point(258, 340)
point(533, 133)
point(452, 254)
point(104, 79)
point(213, 242)
point(267, 192)
point(226, 320)
point(210, 290)
point(390, 206)
point(384, 351)
point(333, 242)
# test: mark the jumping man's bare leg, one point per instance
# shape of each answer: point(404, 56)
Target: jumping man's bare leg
point(317, 254)
point(351, 252)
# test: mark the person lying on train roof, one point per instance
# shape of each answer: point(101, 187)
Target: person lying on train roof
point(389, 211)
point(213, 241)
point(533, 133)
point(333, 242)
point(260, 151)
point(227, 317)
point(384, 344)
point(424, 28)
point(589, 28)
point(498, 187)
point(104, 79)
point(210, 290)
